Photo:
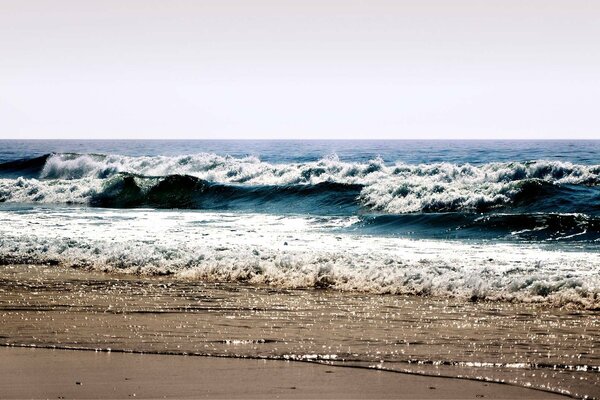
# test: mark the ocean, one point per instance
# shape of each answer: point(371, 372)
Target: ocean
point(473, 259)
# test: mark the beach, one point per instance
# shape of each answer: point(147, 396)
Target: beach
point(62, 374)
point(178, 321)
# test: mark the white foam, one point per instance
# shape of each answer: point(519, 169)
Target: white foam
point(23, 190)
point(251, 170)
point(397, 188)
point(296, 252)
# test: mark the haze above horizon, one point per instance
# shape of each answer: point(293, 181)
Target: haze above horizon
point(235, 69)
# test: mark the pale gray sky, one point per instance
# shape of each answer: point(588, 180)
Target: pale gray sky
point(299, 69)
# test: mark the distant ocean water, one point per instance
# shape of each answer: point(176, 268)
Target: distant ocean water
point(488, 252)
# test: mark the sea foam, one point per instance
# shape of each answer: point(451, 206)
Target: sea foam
point(296, 252)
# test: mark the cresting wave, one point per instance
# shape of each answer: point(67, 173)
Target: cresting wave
point(181, 181)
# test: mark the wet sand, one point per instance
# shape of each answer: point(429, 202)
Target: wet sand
point(45, 373)
point(55, 307)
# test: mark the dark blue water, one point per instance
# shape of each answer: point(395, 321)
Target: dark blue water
point(535, 191)
point(286, 151)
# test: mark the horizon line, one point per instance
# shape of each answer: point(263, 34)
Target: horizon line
point(310, 139)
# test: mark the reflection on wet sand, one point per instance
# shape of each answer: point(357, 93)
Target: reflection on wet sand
point(529, 345)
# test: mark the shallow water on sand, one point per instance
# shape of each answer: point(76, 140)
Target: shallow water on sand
point(525, 344)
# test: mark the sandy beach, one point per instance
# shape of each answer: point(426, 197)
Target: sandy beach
point(46, 373)
point(162, 333)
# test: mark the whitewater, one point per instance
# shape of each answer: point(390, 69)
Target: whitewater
point(296, 252)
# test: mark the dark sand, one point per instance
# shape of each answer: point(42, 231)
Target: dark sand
point(55, 374)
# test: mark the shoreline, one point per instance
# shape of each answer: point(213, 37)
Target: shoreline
point(58, 373)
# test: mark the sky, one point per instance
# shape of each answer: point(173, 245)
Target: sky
point(304, 69)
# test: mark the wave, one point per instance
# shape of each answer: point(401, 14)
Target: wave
point(295, 252)
point(28, 167)
point(251, 170)
point(524, 226)
point(121, 181)
point(188, 192)
point(526, 222)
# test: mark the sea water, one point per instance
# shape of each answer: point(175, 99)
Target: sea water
point(462, 258)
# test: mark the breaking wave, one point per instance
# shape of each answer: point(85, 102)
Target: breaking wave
point(213, 181)
point(250, 170)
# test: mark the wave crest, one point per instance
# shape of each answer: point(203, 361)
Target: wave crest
point(251, 170)
point(396, 188)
